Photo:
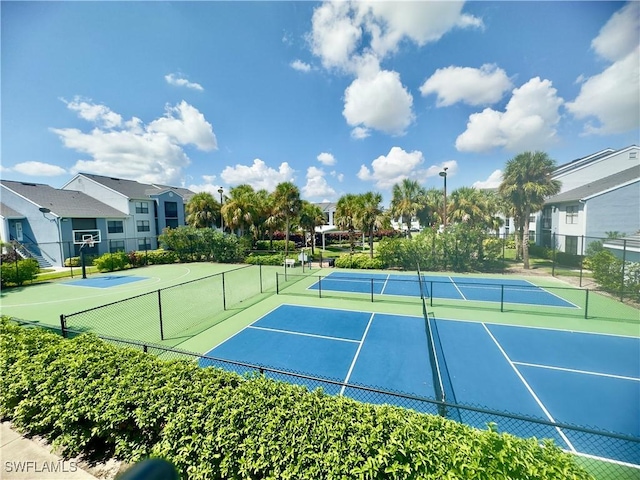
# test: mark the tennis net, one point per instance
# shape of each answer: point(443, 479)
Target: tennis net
point(441, 380)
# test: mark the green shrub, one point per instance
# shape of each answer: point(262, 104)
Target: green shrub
point(253, 259)
point(359, 260)
point(76, 261)
point(276, 245)
point(16, 273)
point(161, 257)
point(87, 396)
point(110, 262)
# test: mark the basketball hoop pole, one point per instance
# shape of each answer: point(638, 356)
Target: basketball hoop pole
point(82, 262)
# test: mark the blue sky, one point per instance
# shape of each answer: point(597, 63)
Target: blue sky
point(338, 97)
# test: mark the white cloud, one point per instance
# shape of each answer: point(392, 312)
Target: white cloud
point(494, 181)
point(360, 133)
point(619, 36)
point(208, 186)
point(98, 114)
point(38, 169)
point(528, 122)
point(387, 170)
point(178, 80)
point(380, 102)
point(258, 175)
point(185, 125)
point(300, 66)
point(326, 159)
point(612, 97)
point(152, 153)
point(317, 185)
point(337, 176)
point(473, 86)
point(335, 34)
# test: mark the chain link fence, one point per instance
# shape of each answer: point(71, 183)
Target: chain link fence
point(606, 455)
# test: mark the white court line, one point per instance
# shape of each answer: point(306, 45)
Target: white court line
point(535, 397)
point(608, 460)
point(572, 370)
point(355, 357)
point(314, 335)
point(454, 284)
point(385, 284)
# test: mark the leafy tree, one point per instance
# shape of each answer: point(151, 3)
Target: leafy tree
point(370, 215)
point(203, 210)
point(408, 202)
point(239, 210)
point(346, 216)
point(311, 216)
point(287, 205)
point(526, 184)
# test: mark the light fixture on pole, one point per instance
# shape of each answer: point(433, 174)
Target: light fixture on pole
point(443, 174)
point(220, 190)
point(56, 220)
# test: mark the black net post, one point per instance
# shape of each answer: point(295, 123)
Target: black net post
point(160, 314)
point(586, 304)
point(624, 261)
point(260, 270)
point(277, 284)
point(372, 290)
point(431, 296)
point(581, 256)
point(502, 297)
point(63, 326)
point(224, 296)
point(553, 256)
point(319, 287)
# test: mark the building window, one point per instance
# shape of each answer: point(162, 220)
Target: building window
point(532, 219)
point(171, 210)
point(143, 226)
point(116, 246)
point(172, 223)
point(142, 207)
point(115, 226)
point(144, 244)
point(532, 236)
point(572, 215)
point(571, 245)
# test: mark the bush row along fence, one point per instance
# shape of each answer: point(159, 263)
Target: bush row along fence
point(569, 301)
point(603, 454)
point(178, 311)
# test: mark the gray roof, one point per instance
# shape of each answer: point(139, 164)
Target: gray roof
point(133, 189)
point(63, 203)
point(598, 186)
point(8, 212)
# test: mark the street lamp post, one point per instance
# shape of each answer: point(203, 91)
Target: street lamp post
point(443, 174)
point(220, 190)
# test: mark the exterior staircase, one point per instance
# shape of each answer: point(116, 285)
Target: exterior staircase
point(25, 253)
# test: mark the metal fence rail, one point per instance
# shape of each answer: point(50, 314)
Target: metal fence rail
point(604, 454)
point(576, 302)
point(177, 311)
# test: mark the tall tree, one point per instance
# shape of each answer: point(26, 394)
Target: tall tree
point(407, 202)
point(288, 204)
point(202, 210)
point(526, 183)
point(346, 216)
point(239, 209)
point(370, 215)
point(311, 216)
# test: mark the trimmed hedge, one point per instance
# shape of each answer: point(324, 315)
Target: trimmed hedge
point(16, 273)
point(359, 260)
point(84, 395)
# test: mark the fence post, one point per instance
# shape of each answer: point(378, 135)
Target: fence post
point(586, 304)
point(372, 290)
point(319, 286)
point(160, 314)
point(624, 261)
point(277, 284)
point(553, 255)
point(581, 256)
point(63, 325)
point(224, 295)
point(260, 267)
point(502, 297)
point(431, 294)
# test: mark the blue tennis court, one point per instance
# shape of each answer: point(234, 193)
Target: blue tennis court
point(558, 376)
point(104, 281)
point(452, 287)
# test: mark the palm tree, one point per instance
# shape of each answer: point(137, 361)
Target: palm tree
point(370, 215)
point(287, 204)
point(202, 210)
point(346, 216)
point(408, 201)
point(526, 183)
point(239, 210)
point(311, 216)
